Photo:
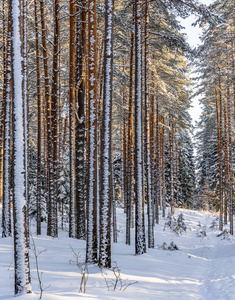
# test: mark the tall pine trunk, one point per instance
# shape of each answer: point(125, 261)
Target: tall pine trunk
point(140, 244)
point(25, 102)
point(171, 144)
point(158, 178)
point(147, 133)
point(230, 193)
point(152, 146)
point(54, 118)
point(106, 143)
point(124, 148)
point(21, 251)
point(220, 152)
point(163, 167)
point(47, 123)
point(80, 121)
point(92, 243)
point(130, 149)
point(39, 133)
point(72, 83)
point(6, 207)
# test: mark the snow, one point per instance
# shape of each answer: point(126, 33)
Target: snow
point(202, 268)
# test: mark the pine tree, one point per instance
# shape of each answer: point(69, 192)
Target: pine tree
point(72, 82)
point(147, 134)
point(39, 123)
point(139, 222)
point(91, 242)
point(6, 203)
point(21, 251)
point(80, 120)
point(106, 143)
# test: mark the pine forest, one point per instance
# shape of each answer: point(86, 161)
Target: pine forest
point(101, 164)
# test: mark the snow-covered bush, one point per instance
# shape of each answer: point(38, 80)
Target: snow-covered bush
point(171, 247)
point(170, 222)
point(201, 231)
point(214, 224)
point(178, 226)
point(224, 234)
point(180, 223)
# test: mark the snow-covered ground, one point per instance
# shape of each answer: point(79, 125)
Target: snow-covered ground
point(202, 268)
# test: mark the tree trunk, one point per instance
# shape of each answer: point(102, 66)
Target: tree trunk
point(124, 149)
point(171, 141)
point(230, 164)
point(139, 226)
point(130, 149)
point(106, 143)
point(158, 178)
point(6, 207)
point(4, 56)
point(147, 134)
point(54, 118)
point(226, 174)
point(21, 251)
point(47, 120)
point(177, 170)
point(163, 168)
point(152, 148)
point(114, 210)
point(80, 121)
point(25, 103)
point(220, 107)
point(39, 133)
point(92, 244)
point(72, 86)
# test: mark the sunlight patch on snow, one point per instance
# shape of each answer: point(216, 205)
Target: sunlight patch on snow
point(177, 281)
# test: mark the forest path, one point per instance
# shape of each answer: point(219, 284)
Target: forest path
point(218, 259)
point(203, 267)
point(219, 280)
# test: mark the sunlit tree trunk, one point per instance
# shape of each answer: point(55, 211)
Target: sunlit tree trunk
point(147, 133)
point(130, 149)
point(163, 167)
point(47, 121)
point(177, 170)
point(233, 68)
point(6, 207)
point(21, 251)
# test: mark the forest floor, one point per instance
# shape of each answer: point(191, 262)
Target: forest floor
point(202, 268)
